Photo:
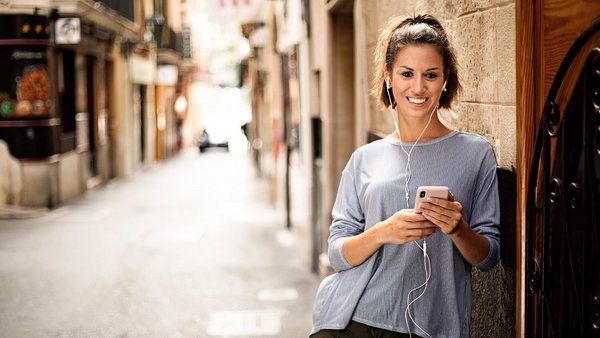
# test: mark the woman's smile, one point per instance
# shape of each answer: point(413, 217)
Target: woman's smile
point(417, 100)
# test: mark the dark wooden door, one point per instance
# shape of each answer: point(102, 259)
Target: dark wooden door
point(558, 78)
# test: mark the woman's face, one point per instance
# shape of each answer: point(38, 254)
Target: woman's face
point(417, 80)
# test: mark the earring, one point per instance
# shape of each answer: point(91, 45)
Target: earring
point(444, 90)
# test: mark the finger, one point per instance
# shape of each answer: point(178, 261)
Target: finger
point(446, 210)
point(412, 216)
point(451, 196)
point(426, 225)
point(450, 209)
point(440, 202)
point(420, 233)
point(437, 219)
point(418, 226)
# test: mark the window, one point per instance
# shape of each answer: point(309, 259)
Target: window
point(25, 85)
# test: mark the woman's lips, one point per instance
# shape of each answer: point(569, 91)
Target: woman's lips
point(417, 100)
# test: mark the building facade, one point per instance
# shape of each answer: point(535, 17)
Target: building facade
point(81, 101)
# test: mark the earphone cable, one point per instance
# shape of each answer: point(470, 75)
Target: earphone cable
point(408, 171)
point(426, 259)
point(407, 313)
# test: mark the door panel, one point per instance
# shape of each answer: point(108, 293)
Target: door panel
point(558, 264)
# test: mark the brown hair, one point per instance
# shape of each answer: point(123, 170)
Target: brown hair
point(417, 30)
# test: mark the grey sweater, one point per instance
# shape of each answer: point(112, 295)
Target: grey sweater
point(371, 190)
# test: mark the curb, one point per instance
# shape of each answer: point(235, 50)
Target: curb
point(19, 212)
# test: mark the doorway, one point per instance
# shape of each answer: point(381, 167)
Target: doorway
point(558, 286)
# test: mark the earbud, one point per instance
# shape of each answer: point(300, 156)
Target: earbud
point(390, 93)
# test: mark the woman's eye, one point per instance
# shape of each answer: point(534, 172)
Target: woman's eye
point(431, 76)
point(407, 74)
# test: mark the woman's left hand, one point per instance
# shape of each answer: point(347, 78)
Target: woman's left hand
point(446, 214)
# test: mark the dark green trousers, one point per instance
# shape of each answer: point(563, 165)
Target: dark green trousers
point(358, 330)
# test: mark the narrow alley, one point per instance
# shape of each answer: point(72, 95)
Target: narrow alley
point(189, 248)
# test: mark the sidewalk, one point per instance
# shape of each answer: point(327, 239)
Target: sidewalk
point(189, 248)
point(18, 212)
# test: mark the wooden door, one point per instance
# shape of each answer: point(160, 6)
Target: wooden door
point(546, 31)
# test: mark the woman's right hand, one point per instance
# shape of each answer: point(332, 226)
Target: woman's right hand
point(402, 227)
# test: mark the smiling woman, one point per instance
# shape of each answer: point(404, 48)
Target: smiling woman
point(404, 269)
point(418, 88)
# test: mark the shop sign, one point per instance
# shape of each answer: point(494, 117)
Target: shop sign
point(67, 31)
point(34, 27)
point(25, 86)
point(141, 70)
point(166, 75)
point(186, 35)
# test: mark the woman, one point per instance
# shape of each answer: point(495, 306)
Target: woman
point(404, 270)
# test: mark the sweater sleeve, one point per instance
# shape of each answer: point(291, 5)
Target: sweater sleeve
point(348, 220)
point(485, 218)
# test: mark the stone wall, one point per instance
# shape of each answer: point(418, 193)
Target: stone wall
point(483, 35)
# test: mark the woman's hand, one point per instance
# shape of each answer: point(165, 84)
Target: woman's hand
point(404, 226)
point(446, 214)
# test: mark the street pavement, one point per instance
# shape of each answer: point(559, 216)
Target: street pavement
point(191, 247)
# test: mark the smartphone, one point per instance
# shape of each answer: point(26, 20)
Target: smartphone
point(423, 192)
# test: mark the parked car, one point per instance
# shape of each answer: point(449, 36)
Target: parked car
point(213, 140)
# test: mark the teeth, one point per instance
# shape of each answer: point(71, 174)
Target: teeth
point(417, 101)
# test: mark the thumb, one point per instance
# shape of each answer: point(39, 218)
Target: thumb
point(450, 196)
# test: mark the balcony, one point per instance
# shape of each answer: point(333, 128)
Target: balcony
point(125, 8)
point(169, 44)
point(111, 15)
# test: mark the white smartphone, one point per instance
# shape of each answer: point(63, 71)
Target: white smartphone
point(423, 192)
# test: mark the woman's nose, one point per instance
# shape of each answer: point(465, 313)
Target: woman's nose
point(418, 85)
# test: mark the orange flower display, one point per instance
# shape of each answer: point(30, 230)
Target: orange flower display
point(34, 86)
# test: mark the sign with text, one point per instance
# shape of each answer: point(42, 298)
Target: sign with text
point(68, 31)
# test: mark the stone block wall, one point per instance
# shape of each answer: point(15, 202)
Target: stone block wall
point(483, 35)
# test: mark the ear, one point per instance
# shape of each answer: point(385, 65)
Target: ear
point(386, 76)
point(444, 86)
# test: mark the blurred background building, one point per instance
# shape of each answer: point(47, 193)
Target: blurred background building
point(95, 90)
point(89, 90)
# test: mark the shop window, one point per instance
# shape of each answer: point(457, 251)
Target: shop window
point(25, 85)
point(27, 115)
